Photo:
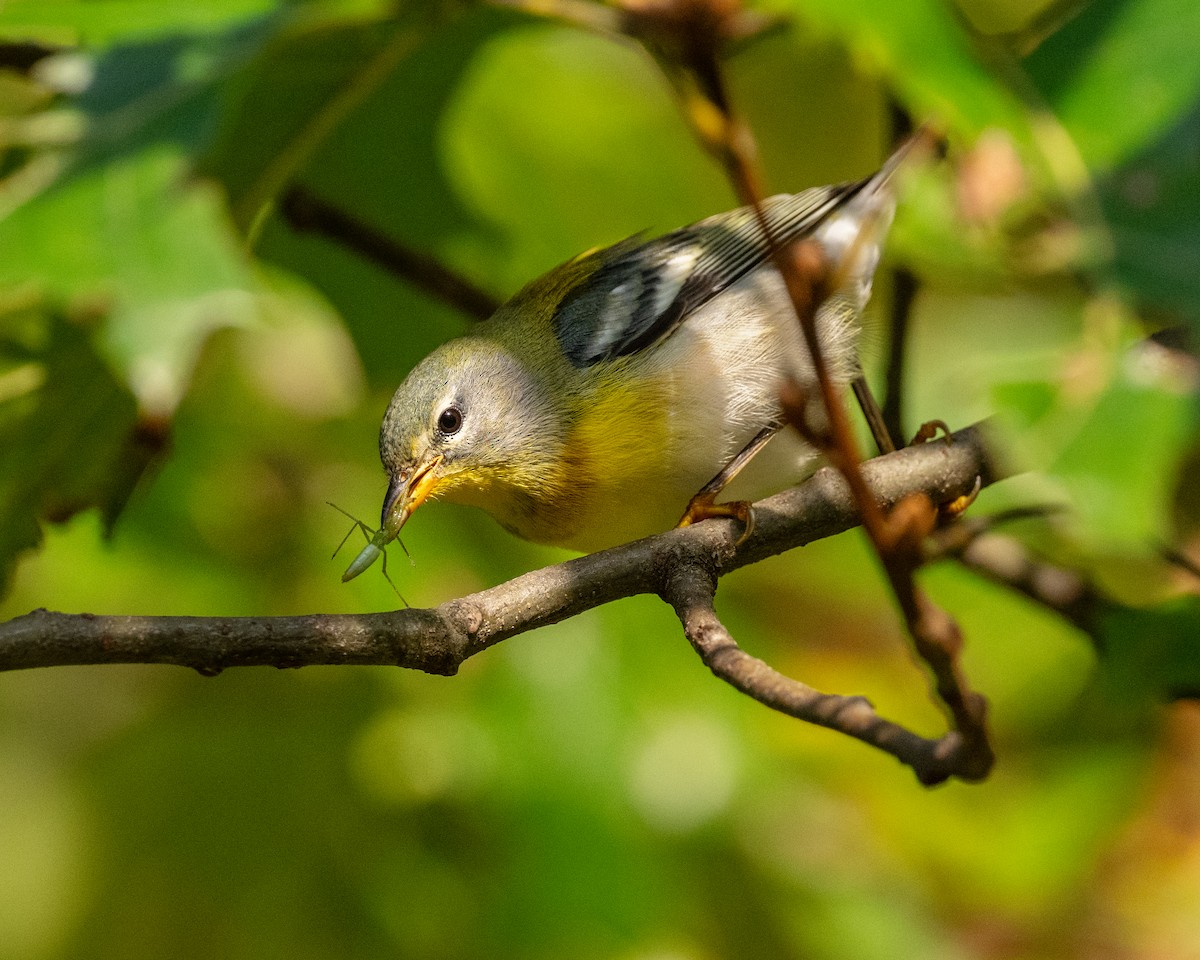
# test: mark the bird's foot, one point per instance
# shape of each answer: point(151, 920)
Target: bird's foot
point(703, 506)
point(952, 509)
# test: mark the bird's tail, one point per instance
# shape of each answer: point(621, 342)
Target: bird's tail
point(924, 142)
point(853, 238)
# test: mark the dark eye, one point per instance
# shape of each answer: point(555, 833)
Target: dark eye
point(449, 421)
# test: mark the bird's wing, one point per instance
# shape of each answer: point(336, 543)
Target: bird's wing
point(643, 292)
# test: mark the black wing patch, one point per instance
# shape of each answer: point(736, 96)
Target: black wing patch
point(645, 292)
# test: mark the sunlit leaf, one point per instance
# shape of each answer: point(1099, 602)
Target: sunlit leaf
point(1108, 455)
point(120, 224)
point(925, 54)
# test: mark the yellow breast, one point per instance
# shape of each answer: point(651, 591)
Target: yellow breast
point(617, 480)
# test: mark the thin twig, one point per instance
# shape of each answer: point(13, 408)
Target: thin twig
point(973, 542)
point(1177, 558)
point(904, 291)
point(305, 211)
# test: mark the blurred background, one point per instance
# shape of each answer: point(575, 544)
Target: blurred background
point(185, 380)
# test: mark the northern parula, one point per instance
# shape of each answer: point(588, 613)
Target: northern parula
point(592, 406)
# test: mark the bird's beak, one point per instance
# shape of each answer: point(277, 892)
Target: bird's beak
point(405, 493)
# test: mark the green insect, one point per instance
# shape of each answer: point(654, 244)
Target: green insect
point(376, 547)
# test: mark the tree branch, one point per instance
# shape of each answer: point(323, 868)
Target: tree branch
point(306, 212)
point(688, 39)
point(691, 590)
point(438, 640)
point(1005, 561)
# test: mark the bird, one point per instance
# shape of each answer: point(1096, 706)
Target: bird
point(590, 408)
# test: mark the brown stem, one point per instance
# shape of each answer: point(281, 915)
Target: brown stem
point(691, 589)
point(884, 441)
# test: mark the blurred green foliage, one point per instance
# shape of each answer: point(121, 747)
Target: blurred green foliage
point(175, 359)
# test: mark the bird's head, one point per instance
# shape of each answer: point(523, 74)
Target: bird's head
point(470, 422)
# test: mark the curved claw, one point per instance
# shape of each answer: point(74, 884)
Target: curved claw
point(929, 429)
point(958, 505)
point(702, 507)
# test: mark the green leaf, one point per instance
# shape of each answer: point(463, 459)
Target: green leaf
point(98, 23)
point(119, 222)
point(293, 99)
point(1120, 74)
point(68, 434)
point(1108, 449)
point(350, 111)
point(1151, 654)
point(1120, 460)
point(153, 251)
point(927, 55)
point(1153, 209)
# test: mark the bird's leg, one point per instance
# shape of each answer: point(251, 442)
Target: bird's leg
point(704, 506)
point(952, 509)
point(873, 415)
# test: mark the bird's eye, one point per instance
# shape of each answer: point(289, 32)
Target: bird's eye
point(450, 421)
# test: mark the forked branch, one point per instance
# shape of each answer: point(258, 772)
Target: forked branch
point(691, 591)
point(696, 33)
